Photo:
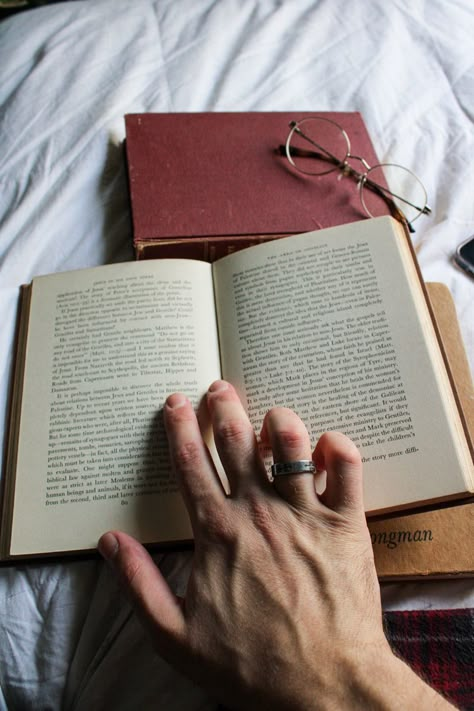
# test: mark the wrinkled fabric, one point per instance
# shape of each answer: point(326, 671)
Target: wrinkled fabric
point(69, 72)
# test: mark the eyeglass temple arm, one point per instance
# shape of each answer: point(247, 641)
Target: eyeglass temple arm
point(302, 153)
point(384, 193)
point(426, 210)
point(348, 169)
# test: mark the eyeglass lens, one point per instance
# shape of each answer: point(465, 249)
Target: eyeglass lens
point(317, 146)
point(406, 191)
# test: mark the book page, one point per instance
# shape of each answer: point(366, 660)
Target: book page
point(326, 323)
point(105, 347)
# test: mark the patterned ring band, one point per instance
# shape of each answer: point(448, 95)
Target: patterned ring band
point(302, 466)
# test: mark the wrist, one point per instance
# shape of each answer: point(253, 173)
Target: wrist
point(372, 678)
point(380, 680)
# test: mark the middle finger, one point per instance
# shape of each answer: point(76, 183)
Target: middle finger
point(288, 437)
point(235, 440)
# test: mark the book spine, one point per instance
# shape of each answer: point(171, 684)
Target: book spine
point(206, 249)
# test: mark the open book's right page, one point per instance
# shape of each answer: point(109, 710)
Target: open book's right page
point(334, 325)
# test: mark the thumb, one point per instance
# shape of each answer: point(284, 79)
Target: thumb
point(148, 591)
point(339, 457)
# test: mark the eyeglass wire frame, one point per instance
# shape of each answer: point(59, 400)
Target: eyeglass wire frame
point(347, 170)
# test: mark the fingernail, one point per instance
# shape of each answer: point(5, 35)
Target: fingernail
point(218, 385)
point(108, 546)
point(176, 400)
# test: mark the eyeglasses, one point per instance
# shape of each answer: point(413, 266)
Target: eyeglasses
point(318, 146)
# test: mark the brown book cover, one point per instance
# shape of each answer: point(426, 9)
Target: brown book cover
point(203, 185)
point(433, 544)
point(429, 544)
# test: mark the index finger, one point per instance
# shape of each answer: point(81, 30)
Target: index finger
point(195, 471)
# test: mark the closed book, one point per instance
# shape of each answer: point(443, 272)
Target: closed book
point(203, 185)
point(426, 545)
point(438, 543)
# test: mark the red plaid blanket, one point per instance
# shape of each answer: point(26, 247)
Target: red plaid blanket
point(439, 646)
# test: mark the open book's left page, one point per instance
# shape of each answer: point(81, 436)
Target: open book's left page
point(104, 348)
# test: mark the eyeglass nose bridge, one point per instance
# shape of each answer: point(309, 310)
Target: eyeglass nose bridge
point(349, 170)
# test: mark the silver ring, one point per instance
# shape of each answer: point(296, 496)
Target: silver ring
point(301, 466)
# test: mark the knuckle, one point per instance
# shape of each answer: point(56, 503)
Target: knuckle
point(344, 449)
point(349, 454)
point(187, 456)
point(130, 569)
point(353, 454)
point(343, 527)
point(235, 431)
point(179, 415)
point(218, 527)
point(292, 438)
point(262, 517)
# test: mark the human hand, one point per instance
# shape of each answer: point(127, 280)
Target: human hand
point(282, 608)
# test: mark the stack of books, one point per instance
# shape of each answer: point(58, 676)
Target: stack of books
point(99, 349)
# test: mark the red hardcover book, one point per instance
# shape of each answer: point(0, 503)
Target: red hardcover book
point(202, 185)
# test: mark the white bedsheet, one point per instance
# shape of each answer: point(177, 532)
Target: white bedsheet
point(68, 74)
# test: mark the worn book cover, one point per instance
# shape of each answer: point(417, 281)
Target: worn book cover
point(434, 544)
point(203, 185)
point(429, 544)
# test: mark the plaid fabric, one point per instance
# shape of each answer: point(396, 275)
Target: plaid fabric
point(439, 646)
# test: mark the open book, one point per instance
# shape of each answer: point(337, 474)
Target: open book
point(333, 324)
